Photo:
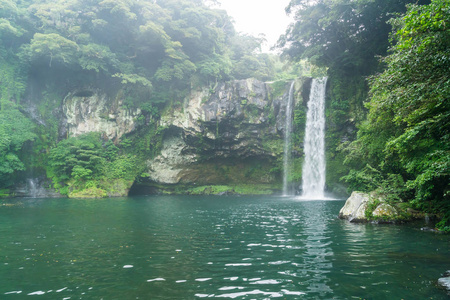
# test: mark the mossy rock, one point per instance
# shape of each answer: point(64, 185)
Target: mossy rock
point(211, 190)
point(92, 192)
point(117, 187)
point(385, 211)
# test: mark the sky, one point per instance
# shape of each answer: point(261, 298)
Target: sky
point(259, 16)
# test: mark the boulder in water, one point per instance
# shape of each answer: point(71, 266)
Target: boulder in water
point(362, 207)
point(355, 207)
point(444, 282)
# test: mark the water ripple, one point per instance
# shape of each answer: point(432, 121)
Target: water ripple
point(234, 247)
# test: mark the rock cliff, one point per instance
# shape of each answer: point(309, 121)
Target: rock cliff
point(91, 110)
point(231, 135)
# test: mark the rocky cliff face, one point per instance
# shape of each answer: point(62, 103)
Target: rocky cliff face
point(231, 135)
point(91, 110)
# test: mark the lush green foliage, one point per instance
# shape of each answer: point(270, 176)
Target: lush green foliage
point(87, 164)
point(138, 42)
point(343, 35)
point(405, 142)
point(77, 157)
point(15, 130)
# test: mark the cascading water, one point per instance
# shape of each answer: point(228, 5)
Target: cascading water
point(313, 174)
point(287, 140)
point(32, 187)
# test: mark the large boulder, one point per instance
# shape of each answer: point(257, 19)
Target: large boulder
point(362, 207)
point(444, 282)
point(355, 207)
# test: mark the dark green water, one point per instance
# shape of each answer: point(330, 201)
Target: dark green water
point(166, 247)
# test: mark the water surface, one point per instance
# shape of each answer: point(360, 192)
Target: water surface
point(189, 247)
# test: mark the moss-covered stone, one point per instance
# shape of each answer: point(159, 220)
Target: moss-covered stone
point(364, 207)
point(117, 187)
point(92, 192)
point(384, 210)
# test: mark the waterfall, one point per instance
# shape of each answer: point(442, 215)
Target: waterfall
point(313, 173)
point(287, 140)
point(32, 187)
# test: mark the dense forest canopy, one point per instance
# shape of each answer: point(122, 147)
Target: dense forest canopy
point(342, 35)
point(141, 43)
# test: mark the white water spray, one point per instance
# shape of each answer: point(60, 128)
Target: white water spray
point(32, 187)
point(313, 174)
point(287, 140)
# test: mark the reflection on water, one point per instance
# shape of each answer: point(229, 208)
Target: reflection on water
point(210, 247)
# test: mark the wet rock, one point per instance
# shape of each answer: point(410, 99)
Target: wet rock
point(362, 207)
point(444, 282)
point(355, 207)
point(166, 168)
point(430, 229)
point(385, 210)
point(216, 130)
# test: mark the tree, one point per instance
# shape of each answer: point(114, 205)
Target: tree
point(80, 157)
point(53, 47)
point(15, 130)
point(340, 34)
point(215, 67)
point(98, 58)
